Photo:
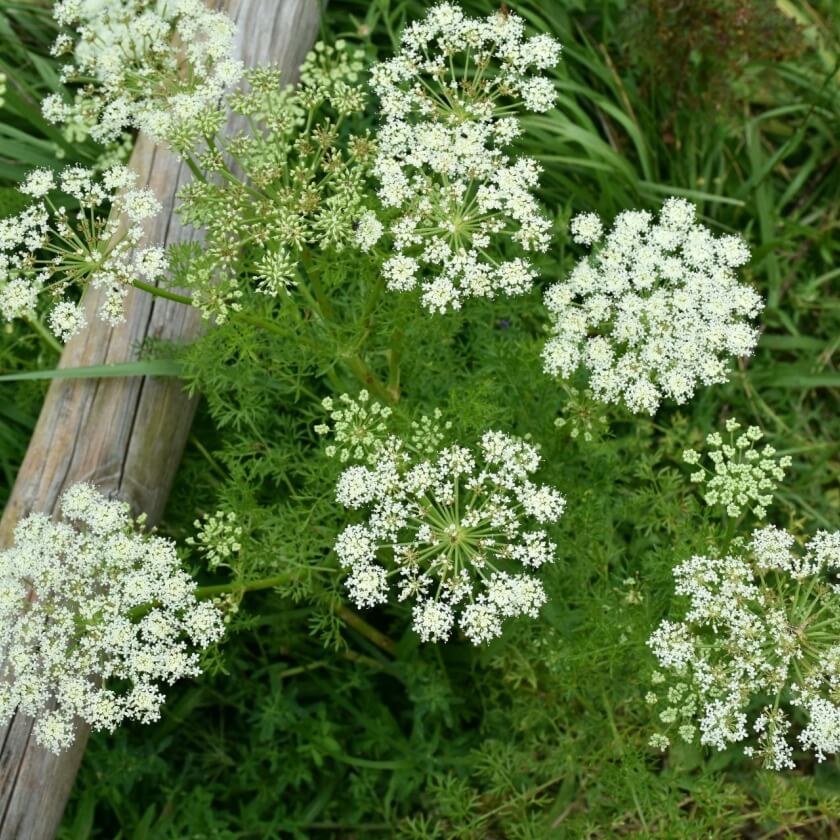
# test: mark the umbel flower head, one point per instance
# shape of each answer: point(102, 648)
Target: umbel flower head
point(458, 533)
point(49, 249)
point(300, 185)
point(218, 537)
point(583, 417)
point(359, 427)
point(464, 213)
point(757, 650)
point(741, 474)
point(655, 311)
point(148, 65)
point(94, 620)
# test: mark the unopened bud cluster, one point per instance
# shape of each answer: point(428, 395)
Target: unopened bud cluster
point(741, 475)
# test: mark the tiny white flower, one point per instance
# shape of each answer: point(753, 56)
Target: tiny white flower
point(368, 231)
point(38, 183)
point(586, 228)
point(67, 319)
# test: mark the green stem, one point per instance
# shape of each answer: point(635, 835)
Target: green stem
point(203, 592)
point(300, 669)
point(729, 534)
point(394, 355)
point(46, 335)
point(262, 323)
point(373, 298)
point(355, 362)
point(347, 615)
point(355, 621)
point(368, 378)
point(303, 289)
point(162, 293)
point(311, 277)
point(194, 168)
point(214, 464)
point(320, 301)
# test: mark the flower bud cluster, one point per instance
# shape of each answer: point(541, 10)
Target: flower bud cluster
point(583, 417)
point(359, 427)
point(300, 181)
point(218, 537)
point(94, 620)
point(741, 475)
point(655, 311)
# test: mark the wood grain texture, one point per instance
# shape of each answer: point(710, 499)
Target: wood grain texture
point(124, 435)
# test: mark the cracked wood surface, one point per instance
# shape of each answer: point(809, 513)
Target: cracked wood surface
point(126, 436)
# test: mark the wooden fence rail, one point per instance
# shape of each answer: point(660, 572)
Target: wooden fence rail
point(124, 435)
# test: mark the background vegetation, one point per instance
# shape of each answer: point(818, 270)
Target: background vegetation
point(301, 730)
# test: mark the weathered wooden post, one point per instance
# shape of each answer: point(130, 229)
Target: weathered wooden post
point(124, 435)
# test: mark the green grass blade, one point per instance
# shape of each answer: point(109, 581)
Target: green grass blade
point(150, 367)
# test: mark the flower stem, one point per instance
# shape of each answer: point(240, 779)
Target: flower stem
point(203, 592)
point(368, 378)
point(322, 301)
point(162, 293)
point(394, 354)
point(347, 615)
point(355, 363)
point(46, 335)
point(262, 323)
point(355, 621)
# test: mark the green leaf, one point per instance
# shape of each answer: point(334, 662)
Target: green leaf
point(789, 376)
point(792, 342)
point(694, 195)
point(150, 367)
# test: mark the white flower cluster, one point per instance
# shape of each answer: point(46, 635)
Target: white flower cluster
point(655, 311)
point(94, 620)
point(448, 102)
point(50, 248)
point(454, 531)
point(741, 475)
point(152, 64)
point(757, 646)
